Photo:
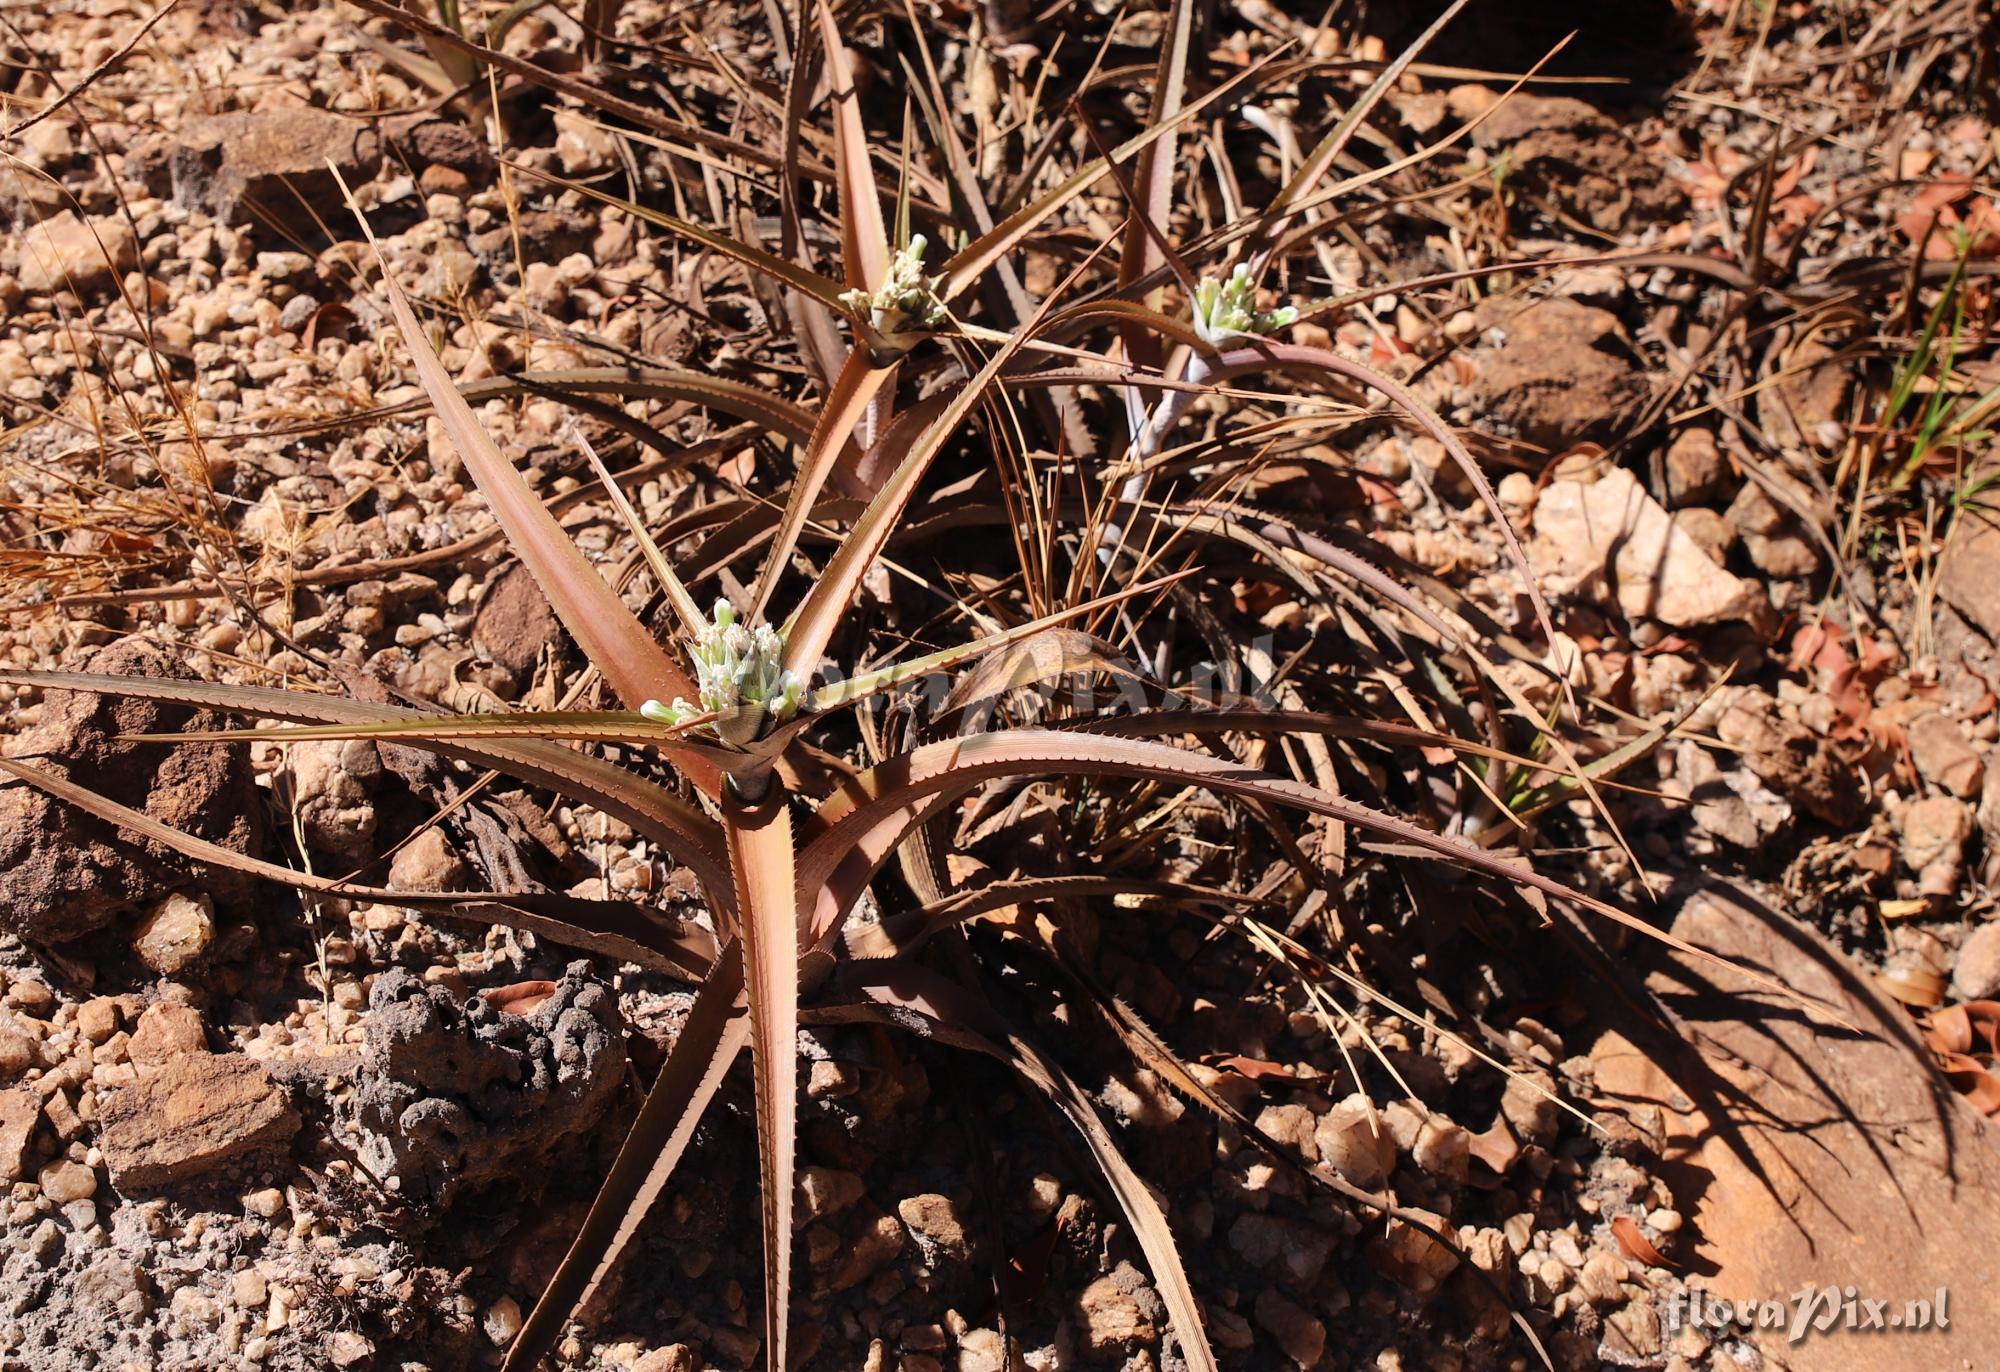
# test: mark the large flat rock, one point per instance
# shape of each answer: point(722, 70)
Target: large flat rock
point(199, 1114)
point(1807, 1156)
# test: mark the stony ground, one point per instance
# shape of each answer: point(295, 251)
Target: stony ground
point(246, 1131)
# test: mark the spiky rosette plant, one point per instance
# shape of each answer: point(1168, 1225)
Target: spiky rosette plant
point(785, 851)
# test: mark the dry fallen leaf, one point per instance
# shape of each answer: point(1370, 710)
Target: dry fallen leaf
point(1635, 1243)
point(522, 998)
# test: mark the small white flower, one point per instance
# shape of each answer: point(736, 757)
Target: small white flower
point(907, 306)
point(739, 674)
point(1228, 309)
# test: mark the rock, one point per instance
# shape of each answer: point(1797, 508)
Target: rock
point(1805, 405)
point(347, 1348)
point(1413, 1258)
point(252, 166)
point(449, 144)
point(1302, 1337)
point(17, 1051)
point(65, 1181)
point(65, 253)
point(1293, 1126)
point(1443, 1149)
point(456, 1095)
point(428, 862)
point(1599, 1280)
point(1977, 975)
point(514, 622)
point(981, 1350)
point(1356, 1143)
point(737, 1347)
point(1771, 531)
point(332, 784)
point(64, 874)
point(876, 1242)
point(437, 179)
point(583, 146)
point(1944, 757)
point(1558, 374)
point(1565, 151)
point(20, 1111)
point(545, 235)
point(267, 1201)
point(824, 1192)
point(1970, 569)
point(502, 1321)
point(1784, 1165)
point(1611, 531)
point(167, 1031)
point(1533, 1115)
point(1715, 535)
point(97, 1018)
point(675, 1357)
point(1788, 757)
point(934, 1224)
point(1696, 471)
point(1632, 1335)
point(175, 933)
point(1295, 1252)
point(1113, 1317)
point(200, 1113)
point(1935, 831)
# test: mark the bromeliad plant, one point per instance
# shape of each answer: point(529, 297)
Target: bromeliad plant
point(784, 846)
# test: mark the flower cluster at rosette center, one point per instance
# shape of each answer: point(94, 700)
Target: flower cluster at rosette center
point(740, 675)
point(907, 306)
point(1228, 309)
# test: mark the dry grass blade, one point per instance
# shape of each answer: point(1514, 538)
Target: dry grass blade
point(583, 726)
point(1154, 181)
point(870, 683)
point(715, 1032)
point(1135, 1198)
point(760, 852)
point(952, 1016)
point(690, 615)
point(827, 292)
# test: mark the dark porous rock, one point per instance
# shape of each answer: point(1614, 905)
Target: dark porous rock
point(454, 1096)
point(63, 873)
point(201, 1113)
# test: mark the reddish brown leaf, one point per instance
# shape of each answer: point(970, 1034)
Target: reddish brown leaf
point(522, 998)
point(1635, 1243)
